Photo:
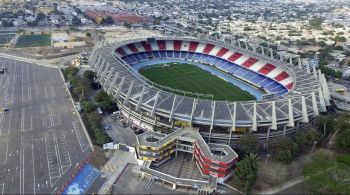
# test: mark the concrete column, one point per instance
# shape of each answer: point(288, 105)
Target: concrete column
point(314, 71)
point(305, 118)
point(314, 104)
point(290, 113)
point(126, 100)
point(284, 130)
point(273, 116)
point(322, 103)
point(254, 127)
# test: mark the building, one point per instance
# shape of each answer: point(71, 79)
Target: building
point(212, 160)
point(295, 93)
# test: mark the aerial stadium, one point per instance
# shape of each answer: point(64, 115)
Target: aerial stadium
point(219, 88)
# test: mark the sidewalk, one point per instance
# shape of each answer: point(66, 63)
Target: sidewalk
point(114, 167)
point(284, 186)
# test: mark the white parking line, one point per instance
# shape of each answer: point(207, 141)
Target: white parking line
point(6, 151)
point(2, 188)
point(79, 136)
point(33, 169)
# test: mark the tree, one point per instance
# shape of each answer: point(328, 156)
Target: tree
point(89, 107)
point(306, 138)
point(89, 75)
point(283, 149)
point(70, 70)
point(94, 119)
point(246, 171)
point(248, 143)
point(104, 101)
point(343, 141)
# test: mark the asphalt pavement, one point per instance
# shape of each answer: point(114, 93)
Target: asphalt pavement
point(41, 138)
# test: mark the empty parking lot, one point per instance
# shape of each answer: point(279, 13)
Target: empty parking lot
point(41, 138)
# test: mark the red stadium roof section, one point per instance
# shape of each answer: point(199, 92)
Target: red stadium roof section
point(207, 49)
point(222, 52)
point(146, 46)
point(177, 45)
point(121, 51)
point(250, 62)
point(133, 48)
point(193, 46)
point(283, 75)
point(234, 57)
point(290, 85)
point(266, 69)
point(161, 44)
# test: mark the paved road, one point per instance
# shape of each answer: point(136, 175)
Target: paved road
point(41, 139)
point(118, 133)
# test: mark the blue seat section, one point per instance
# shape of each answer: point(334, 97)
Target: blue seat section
point(236, 70)
point(156, 54)
point(183, 54)
point(81, 183)
point(162, 54)
point(170, 54)
point(190, 55)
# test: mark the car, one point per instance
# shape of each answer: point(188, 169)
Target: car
point(5, 109)
point(107, 127)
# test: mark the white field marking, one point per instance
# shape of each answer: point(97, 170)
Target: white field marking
point(82, 145)
point(7, 147)
point(1, 121)
point(52, 91)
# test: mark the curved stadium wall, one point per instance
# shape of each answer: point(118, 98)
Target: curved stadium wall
point(295, 93)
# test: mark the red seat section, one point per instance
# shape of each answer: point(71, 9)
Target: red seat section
point(146, 46)
point(290, 85)
point(221, 52)
point(234, 57)
point(121, 51)
point(177, 45)
point(266, 69)
point(133, 48)
point(283, 75)
point(208, 48)
point(161, 44)
point(250, 62)
point(193, 46)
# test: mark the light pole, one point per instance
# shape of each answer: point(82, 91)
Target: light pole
point(267, 158)
point(312, 149)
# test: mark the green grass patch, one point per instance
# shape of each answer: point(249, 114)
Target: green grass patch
point(329, 175)
point(193, 79)
point(40, 40)
point(6, 38)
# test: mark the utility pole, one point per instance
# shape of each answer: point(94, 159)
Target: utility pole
point(267, 158)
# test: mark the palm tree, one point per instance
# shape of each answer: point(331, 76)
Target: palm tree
point(252, 159)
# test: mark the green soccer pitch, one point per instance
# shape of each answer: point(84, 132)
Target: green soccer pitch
point(193, 79)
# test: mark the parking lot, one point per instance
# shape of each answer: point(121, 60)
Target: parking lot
point(41, 138)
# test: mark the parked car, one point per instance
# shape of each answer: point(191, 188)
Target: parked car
point(107, 127)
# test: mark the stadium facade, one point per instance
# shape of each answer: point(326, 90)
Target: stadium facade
point(294, 94)
point(289, 96)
